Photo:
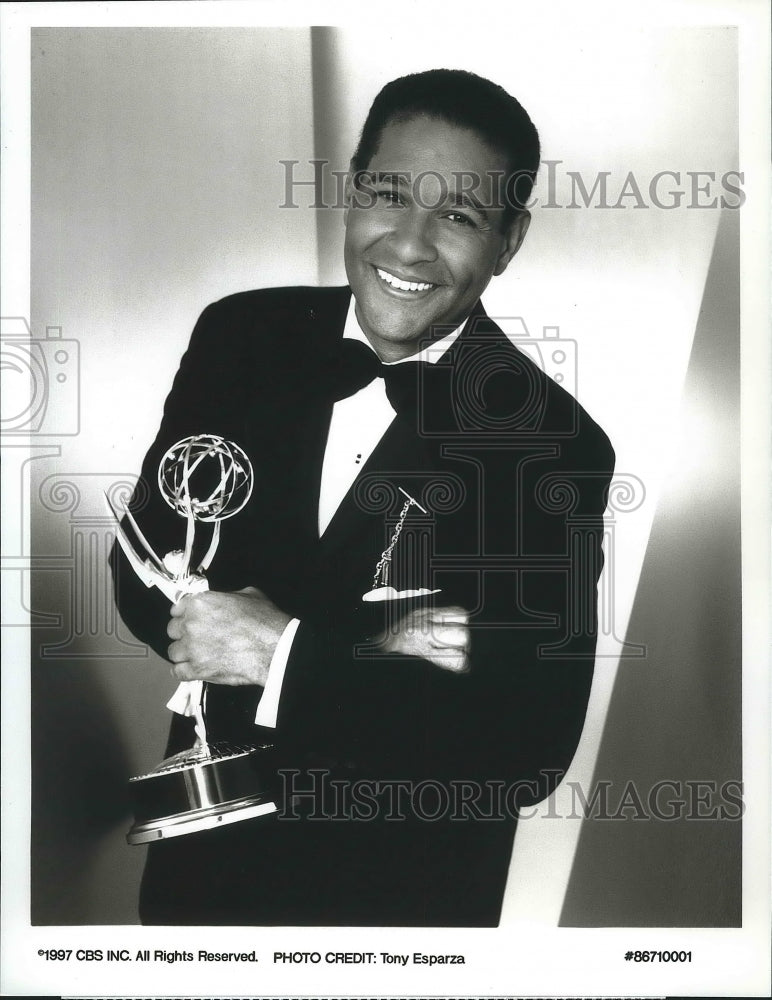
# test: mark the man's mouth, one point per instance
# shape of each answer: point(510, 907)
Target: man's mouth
point(403, 286)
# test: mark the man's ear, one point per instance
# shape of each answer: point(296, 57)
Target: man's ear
point(513, 239)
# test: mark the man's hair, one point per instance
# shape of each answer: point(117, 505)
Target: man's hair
point(468, 101)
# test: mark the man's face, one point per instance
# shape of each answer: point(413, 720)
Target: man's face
point(422, 240)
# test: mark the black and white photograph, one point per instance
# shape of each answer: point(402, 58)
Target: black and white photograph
point(385, 499)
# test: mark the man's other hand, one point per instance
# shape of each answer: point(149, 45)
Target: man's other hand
point(224, 638)
point(439, 635)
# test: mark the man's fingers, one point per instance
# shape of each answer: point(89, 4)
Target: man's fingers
point(177, 652)
point(424, 619)
point(440, 636)
point(450, 635)
point(455, 661)
point(449, 616)
point(448, 628)
point(174, 628)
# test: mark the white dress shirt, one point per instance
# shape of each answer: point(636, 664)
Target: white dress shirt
point(357, 425)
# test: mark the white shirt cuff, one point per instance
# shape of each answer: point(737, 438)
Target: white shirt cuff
point(268, 709)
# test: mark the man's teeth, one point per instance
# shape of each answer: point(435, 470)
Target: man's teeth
point(405, 286)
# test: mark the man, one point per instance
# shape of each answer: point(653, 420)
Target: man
point(410, 728)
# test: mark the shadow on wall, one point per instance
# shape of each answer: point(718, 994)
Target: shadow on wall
point(79, 773)
point(97, 719)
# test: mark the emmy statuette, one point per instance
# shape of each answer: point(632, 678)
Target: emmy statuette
point(205, 479)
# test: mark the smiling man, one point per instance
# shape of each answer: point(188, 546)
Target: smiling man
point(422, 666)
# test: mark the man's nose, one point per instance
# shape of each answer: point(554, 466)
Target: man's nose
point(412, 237)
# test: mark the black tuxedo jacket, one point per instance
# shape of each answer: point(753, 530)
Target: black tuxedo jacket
point(412, 774)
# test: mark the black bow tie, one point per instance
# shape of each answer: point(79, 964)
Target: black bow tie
point(354, 365)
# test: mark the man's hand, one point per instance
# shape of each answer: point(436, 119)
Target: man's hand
point(224, 638)
point(439, 635)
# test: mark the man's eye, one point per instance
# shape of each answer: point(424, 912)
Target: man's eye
point(460, 219)
point(389, 197)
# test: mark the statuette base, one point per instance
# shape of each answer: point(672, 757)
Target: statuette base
point(208, 786)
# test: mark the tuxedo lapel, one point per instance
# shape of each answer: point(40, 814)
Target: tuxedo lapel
point(287, 426)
